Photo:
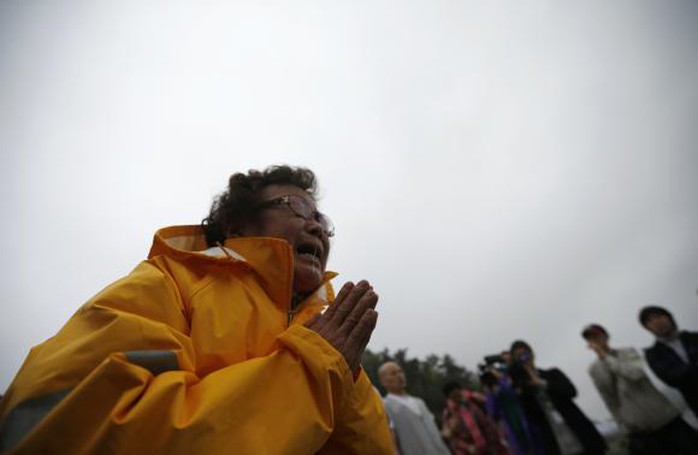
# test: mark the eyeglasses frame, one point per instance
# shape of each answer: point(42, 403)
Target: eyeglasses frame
point(317, 216)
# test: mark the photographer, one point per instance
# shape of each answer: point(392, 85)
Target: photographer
point(557, 424)
point(503, 404)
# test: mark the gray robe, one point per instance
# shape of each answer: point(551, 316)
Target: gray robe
point(416, 433)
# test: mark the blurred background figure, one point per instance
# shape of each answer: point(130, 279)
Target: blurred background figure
point(652, 424)
point(415, 429)
point(557, 424)
point(503, 404)
point(396, 451)
point(465, 425)
point(674, 355)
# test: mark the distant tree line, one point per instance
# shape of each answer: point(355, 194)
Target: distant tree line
point(425, 378)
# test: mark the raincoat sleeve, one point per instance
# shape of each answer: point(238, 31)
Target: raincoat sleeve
point(362, 425)
point(120, 377)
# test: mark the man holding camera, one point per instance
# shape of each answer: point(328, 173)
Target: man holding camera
point(557, 424)
point(503, 404)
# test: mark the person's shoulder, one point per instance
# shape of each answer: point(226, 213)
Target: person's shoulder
point(653, 349)
point(551, 372)
point(395, 403)
point(389, 401)
point(685, 334)
point(391, 398)
point(418, 399)
point(627, 352)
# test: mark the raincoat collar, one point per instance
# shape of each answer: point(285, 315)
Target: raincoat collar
point(270, 258)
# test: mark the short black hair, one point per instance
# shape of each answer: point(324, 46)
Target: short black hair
point(520, 344)
point(591, 329)
point(653, 310)
point(450, 387)
point(236, 205)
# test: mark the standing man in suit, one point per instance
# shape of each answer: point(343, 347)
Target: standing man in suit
point(674, 355)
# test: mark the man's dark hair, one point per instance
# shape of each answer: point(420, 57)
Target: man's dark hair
point(237, 204)
point(593, 329)
point(450, 387)
point(653, 310)
point(520, 344)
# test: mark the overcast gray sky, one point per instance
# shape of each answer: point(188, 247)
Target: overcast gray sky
point(497, 170)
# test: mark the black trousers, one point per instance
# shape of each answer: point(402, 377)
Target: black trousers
point(677, 437)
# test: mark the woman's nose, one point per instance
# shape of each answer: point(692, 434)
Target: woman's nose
point(314, 227)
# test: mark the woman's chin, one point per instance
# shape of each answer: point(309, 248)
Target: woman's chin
point(306, 279)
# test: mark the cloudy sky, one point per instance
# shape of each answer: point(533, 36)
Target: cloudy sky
point(497, 170)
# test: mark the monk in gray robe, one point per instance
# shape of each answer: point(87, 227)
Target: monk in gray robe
point(415, 430)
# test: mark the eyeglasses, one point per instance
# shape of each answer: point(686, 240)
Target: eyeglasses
point(302, 208)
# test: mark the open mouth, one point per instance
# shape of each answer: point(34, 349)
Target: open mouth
point(309, 251)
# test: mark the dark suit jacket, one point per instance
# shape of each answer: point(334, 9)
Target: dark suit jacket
point(669, 367)
point(561, 392)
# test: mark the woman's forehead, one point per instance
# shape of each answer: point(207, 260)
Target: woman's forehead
point(277, 190)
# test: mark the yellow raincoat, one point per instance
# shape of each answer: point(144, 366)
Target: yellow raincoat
point(196, 351)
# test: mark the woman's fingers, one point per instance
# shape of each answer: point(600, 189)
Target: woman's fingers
point(367, 302)
point(349, 322)
point(347, 305)
point(360, 336)
point(343, 293)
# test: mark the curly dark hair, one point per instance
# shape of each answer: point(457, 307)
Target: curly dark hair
point(236, 205)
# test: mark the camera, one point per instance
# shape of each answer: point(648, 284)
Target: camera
point(493, 359)
point(525, 357)
point(493, 366)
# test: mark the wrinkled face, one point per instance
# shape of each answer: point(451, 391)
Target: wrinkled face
point(307, 238)
point(392, 378)
point(660, 325)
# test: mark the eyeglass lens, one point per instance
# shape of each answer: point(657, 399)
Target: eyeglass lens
point(305, 210)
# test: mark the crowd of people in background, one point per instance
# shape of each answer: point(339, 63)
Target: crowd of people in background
point(521, 409)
